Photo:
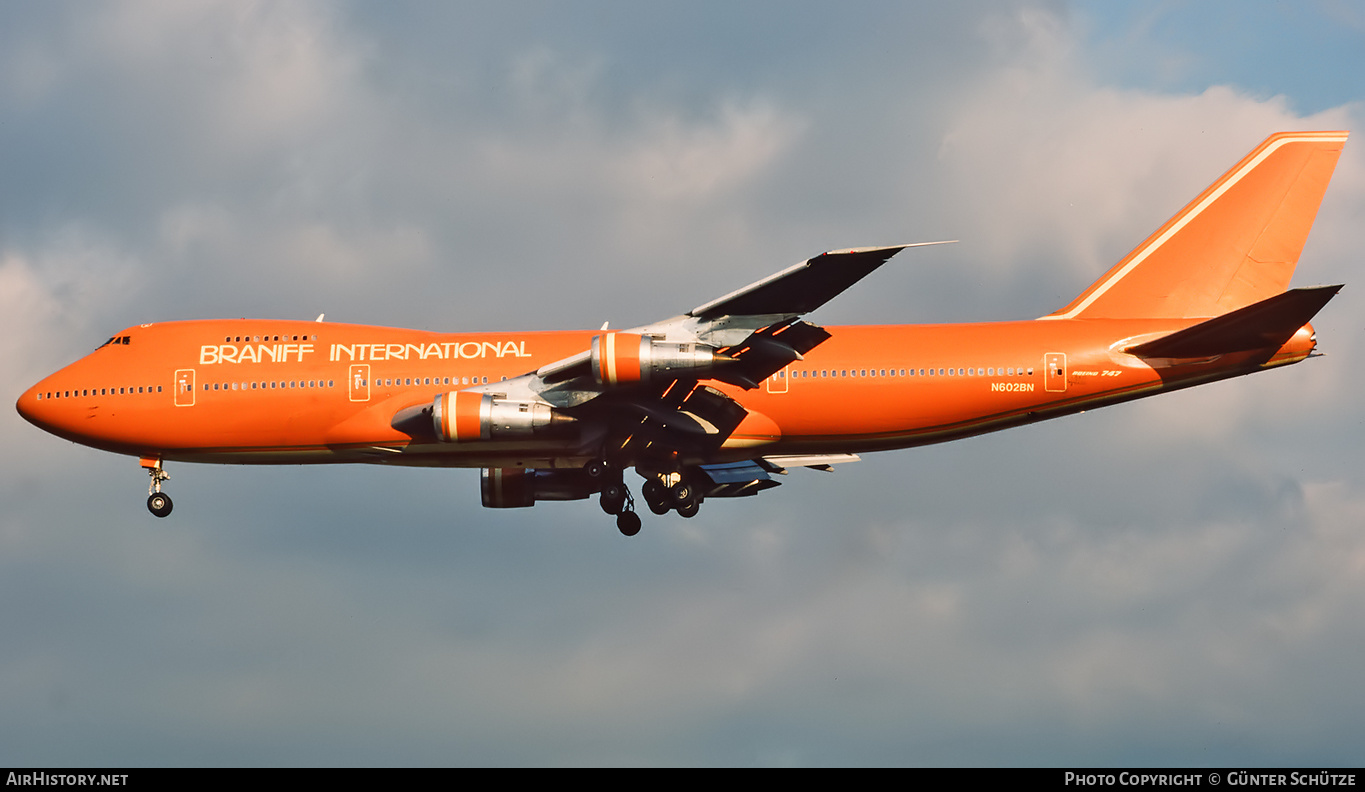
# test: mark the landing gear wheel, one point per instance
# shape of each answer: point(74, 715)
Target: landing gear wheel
point(596, 468)
point(656, 497)
point(159, 503)
point(613, 498)
point(680, 493)
point(689, 509)
point(628, 523)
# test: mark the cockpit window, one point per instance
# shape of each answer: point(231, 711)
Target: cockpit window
point(116, 340)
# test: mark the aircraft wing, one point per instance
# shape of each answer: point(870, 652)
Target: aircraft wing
point(804, 287)
point(640, 397)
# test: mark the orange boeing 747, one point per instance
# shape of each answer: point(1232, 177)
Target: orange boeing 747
point(714, 402)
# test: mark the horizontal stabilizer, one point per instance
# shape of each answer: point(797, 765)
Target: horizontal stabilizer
point(735, 472)
point(1267, 324)
point(815, 461)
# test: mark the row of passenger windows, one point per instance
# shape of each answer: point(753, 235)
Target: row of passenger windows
point(361, 383)
point(256, 339)
point(398, 382)
point(990, 371)
point(386, 382)
point(271, 385)
point(75, 394)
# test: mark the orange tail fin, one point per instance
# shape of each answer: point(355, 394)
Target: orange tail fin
point(1234, 245)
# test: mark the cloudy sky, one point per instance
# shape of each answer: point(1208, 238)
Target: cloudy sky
point(1170, 582)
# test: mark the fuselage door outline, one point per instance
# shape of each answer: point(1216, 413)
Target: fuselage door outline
point(184, 387)
point(777, 383)
point(359, 382)
point(1054, 372)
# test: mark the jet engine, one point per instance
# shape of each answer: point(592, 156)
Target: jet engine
point(465, 417)
point(628, 358)
point(514, 488)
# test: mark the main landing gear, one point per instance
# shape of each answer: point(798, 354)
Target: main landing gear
point(158, 502)
point(662, 493)
point(615, 498)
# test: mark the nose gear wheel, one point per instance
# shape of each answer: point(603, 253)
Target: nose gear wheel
point(158, 502)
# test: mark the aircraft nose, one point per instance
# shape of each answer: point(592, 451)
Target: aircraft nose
point(31, 406)
point(51, 409)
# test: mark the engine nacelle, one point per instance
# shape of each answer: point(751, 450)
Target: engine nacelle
point(628, 358)
point(515, 488)
point(467, 417)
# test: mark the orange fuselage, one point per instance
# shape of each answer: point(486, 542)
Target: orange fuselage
point(257, 391)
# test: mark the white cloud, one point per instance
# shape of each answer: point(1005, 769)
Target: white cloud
point(1050, 163)
point(52, 300)
point(251, 74)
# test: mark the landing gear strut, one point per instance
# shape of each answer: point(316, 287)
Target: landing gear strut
point(615, 498)
point(663, 492)
point(158, 502)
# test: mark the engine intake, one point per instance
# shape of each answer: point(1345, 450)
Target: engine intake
point(628, 358)
point(467, 417)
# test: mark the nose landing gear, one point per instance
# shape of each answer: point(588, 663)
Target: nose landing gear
point(158, 502)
